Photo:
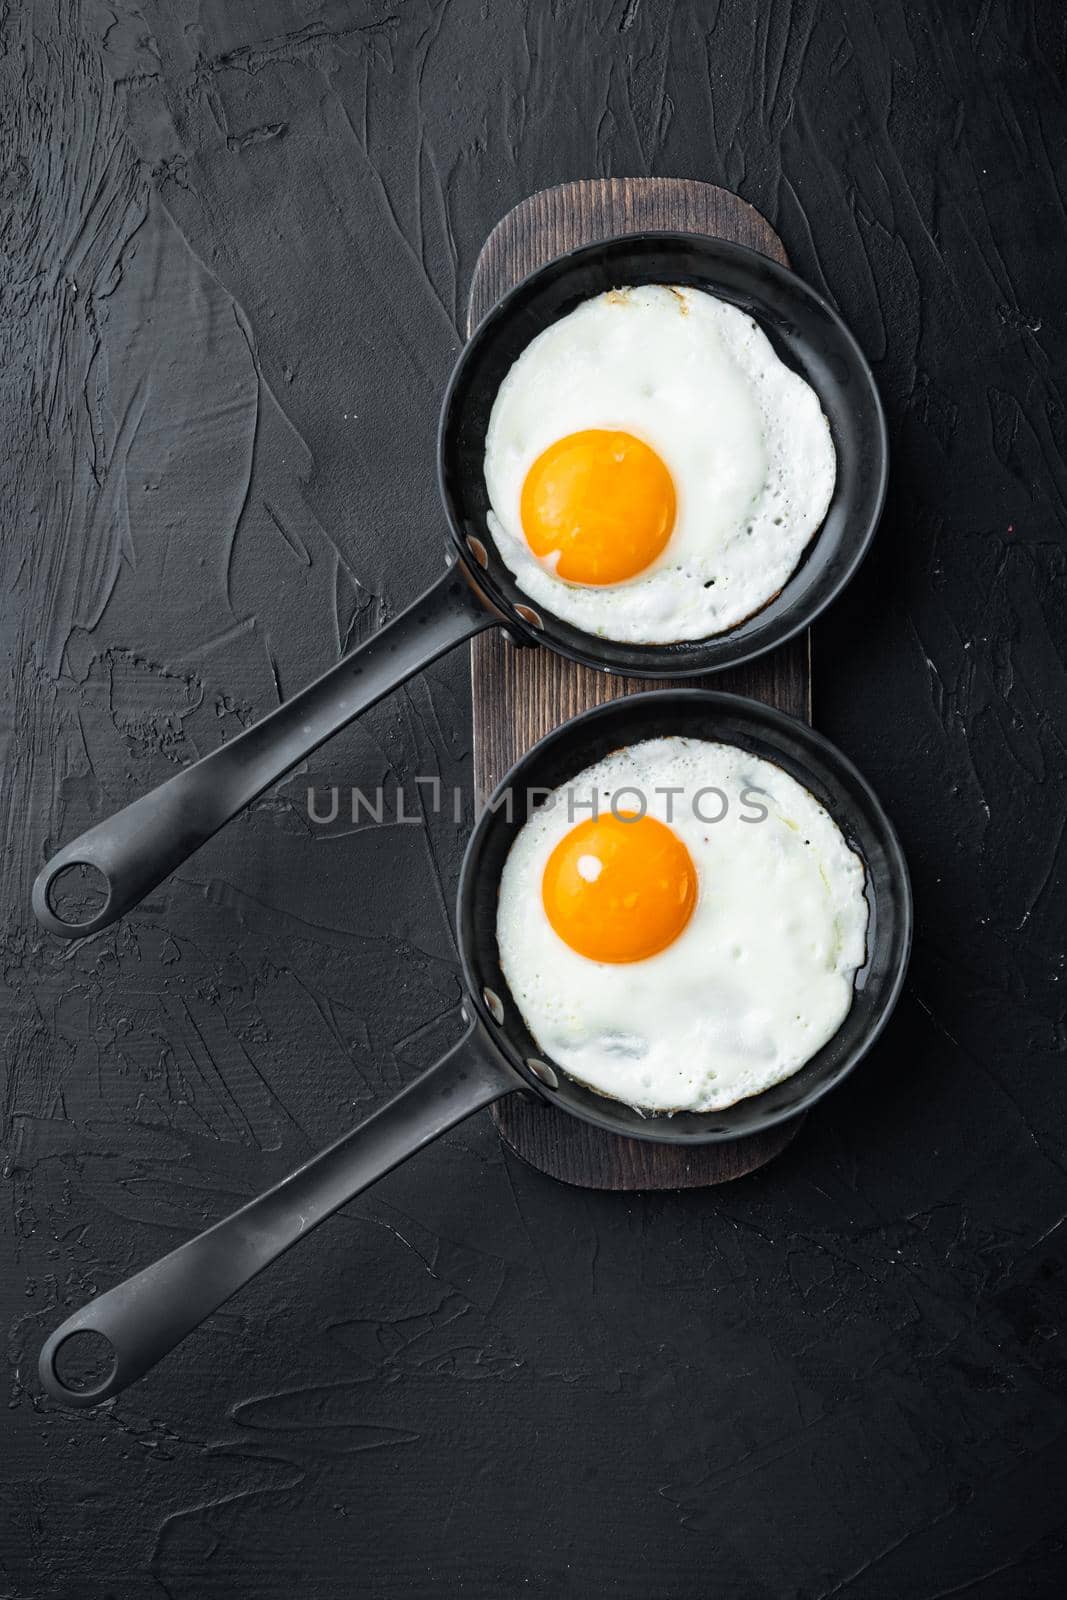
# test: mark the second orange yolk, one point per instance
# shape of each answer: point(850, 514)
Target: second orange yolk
point(619, 888)
point(604, 500)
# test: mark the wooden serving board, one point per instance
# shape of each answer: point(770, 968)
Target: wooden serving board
point(519, 694)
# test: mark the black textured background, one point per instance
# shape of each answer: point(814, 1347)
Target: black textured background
point(235, 244)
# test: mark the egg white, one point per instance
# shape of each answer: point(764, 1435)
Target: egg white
point(759, 979)
point(743, 437)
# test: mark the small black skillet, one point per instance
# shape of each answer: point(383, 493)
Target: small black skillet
point(149, 1314)
point(142, 844)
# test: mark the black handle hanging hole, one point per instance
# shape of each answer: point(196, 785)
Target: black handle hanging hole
point(78, 893)
point(85, 1361)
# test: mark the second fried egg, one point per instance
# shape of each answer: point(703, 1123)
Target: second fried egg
point(681, 924)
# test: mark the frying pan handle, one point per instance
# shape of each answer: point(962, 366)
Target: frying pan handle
point(141, 845)
point(144, 1318)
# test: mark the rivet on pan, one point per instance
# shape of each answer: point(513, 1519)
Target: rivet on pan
point(528, 614)
point(542, 1070)
point(493, 1005)
point(478, 550)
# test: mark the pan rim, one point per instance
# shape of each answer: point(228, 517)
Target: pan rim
point(793, 623)
point(656, 1128)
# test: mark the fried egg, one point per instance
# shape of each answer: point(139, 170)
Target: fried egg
point(681, 924)
point(654, 471)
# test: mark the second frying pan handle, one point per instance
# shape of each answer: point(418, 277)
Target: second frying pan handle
point(145, 1317)
point(141, 845)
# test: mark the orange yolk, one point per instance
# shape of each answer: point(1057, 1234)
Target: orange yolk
point(604, 500)
point(619, 888)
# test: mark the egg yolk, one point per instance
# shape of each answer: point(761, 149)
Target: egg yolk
point(604, 500)
point(619, 888)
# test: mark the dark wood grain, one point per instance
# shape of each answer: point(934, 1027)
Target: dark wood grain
point(519, 694)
